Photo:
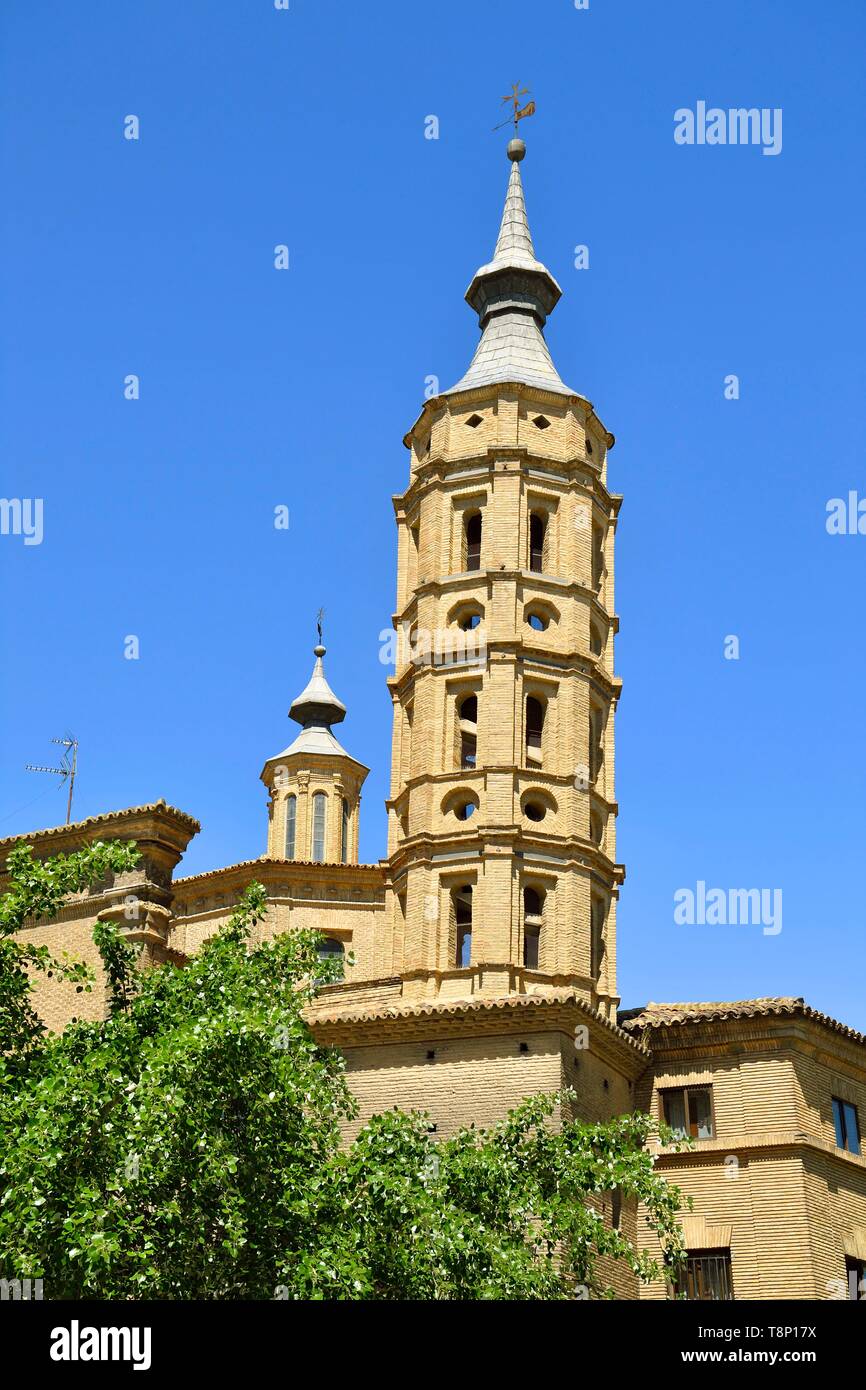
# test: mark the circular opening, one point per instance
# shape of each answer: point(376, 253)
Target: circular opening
point(533, 810)
point(471, 621)
point(465, 809)
point(538, 621)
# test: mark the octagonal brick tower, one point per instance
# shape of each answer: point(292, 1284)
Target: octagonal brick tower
point(502, 873)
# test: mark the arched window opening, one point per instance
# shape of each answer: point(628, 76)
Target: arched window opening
point(532, 903)
point(291, 824)
point(466, 616)
point(473, 541)
point(597, 916)
point(534, 728)
point(344, 832)
point(533, 910)
point(320, 806)
point(467, 714)
point(462, 898)
point(596, 754)
point(331, 949)
point(597, 557)
point(406, 741)
point(537, 530)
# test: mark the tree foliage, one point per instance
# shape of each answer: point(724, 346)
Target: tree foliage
point(189, 1146)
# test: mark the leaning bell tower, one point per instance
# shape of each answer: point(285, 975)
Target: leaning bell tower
point(502, 872)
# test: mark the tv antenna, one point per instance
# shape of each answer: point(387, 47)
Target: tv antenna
point(66, 770)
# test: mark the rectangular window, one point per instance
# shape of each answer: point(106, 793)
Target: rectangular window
point(472, 532)
point(690, 1111)
point(706, 1277)
point(531, 938)
point(597, 943)
point(320, 802)
point(847, 1125)
point(855, 1272)
point(461, 899)
point(597, 557)
point(596, 753)
point(468, 746)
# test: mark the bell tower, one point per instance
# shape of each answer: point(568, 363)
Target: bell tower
point(314, 784)
point(502, 873)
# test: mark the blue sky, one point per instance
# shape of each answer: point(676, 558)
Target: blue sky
point(261, 388)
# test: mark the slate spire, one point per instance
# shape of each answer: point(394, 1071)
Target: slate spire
point(513, 295)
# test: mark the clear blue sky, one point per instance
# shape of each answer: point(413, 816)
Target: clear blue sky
point(258, 388)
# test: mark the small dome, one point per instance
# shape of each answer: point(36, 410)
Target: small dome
point(317, 704)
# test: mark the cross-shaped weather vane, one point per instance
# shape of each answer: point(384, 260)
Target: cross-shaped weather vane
point(519, 111)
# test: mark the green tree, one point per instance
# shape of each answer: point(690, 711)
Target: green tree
point(189, 1145)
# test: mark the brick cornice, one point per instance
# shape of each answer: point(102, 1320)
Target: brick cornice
point(559, 1011)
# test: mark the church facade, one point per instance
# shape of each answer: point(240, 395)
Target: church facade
point(481, 951)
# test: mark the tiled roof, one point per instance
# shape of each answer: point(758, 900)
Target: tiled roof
point(264, 860)
point(665, 1015)
point(108, 818)
point(513, 293)
point(452, 1007)
point(316, 708)
point(512, 348)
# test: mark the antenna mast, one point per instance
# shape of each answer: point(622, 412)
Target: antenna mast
point(67, 769)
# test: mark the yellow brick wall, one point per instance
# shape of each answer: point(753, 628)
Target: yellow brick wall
point(506, 467)
point(471, 1080)
point(771, 1172)
point(337, 901)
point(56, 1001)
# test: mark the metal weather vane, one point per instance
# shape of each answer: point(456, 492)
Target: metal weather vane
point(320, 618)
point(518, 111)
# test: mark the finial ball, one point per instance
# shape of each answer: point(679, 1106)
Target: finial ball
point(516, 149)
